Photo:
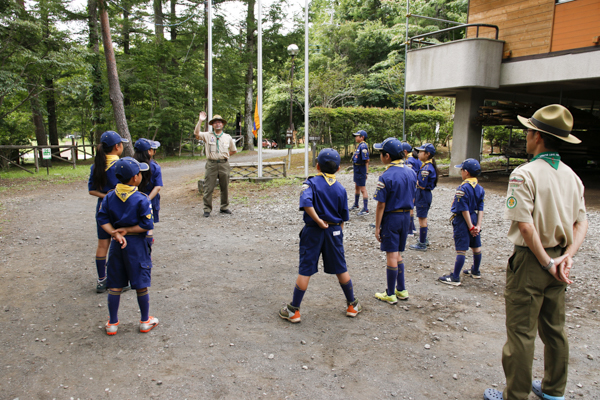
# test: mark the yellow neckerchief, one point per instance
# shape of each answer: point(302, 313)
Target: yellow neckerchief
point(125, 191)
point(470, 181)
point(329, 178)
point(111, 159)
point(395, 163)
point(425, 163)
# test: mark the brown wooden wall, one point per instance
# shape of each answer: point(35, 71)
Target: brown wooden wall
point(525, 25)
point(576, 24)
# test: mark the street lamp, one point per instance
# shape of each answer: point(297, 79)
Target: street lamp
point(292, 51)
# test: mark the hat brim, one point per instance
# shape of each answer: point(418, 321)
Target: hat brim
point(569, 139)
point(144, 167)
point(458, 166)
point(358, 134)
point(378, 146)
point(212, 121)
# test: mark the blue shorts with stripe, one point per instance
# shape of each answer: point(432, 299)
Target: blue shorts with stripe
point(329, 242)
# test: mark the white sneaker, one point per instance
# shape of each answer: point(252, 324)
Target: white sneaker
point(111, 329)
point(147, 326)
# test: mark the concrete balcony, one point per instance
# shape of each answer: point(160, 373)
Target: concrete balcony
point(446, 68)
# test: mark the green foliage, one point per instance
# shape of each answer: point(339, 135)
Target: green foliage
point(498, 136)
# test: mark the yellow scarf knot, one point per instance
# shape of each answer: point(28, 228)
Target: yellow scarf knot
point(470, 181)
point(329, 178)
point(125, 191)
point(111, 159)
point(395, 163)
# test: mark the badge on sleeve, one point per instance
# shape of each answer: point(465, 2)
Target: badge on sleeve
point(460, 193)
point(424, 173)
point(149, 216)
point(380, 185)
point(515, 182)
point(365, 151)
point(304, 187)
point(511, 202)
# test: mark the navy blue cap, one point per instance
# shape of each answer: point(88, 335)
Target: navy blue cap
point(155, 144)
point(406, 147)
point(110, 138)
point(329, 155)
point(471, 165)
point(142, 145)
point(428, 147)
point(391, 145)
point(128, 167)
point(361, 133)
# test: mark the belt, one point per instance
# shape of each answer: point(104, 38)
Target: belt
point(358, 164)
point(219, 161)
point(332, 223)
point(400, 210)
point(525, 248)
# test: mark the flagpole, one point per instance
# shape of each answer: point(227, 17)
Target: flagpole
point(305, 89)
point(259, 85)
point(210, 54)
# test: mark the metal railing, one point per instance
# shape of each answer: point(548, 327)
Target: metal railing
point(464, 26)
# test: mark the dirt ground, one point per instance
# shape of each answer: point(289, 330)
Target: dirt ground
point(218, 283)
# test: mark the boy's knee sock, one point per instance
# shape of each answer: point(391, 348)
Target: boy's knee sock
point(401, 285)
point(101, 267)
point(366, 203)
point(348, 290)
point(298, 295)
point(114, 297)
point(476, 261)
point(412, 225)
point(422, 235)
point(143, 299)
point(392, 276)
point(356, 197)
point(459, 263)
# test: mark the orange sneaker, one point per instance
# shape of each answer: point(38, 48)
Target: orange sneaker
point(353, 309)
point(147, 326)
point(111, 329)
point(290, 313)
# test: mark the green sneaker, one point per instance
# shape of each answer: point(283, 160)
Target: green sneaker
point(290, 313)
point(385, 297)
point(353, 309)
point(402, 295)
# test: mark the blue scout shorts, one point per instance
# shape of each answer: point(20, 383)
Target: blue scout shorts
point(423, 202)
point(394, 231)
point(315, 241)
point(360, 175)
point(462, 238)
point(129, 265)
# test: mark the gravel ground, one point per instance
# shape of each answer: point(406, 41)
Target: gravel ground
point(218, 284)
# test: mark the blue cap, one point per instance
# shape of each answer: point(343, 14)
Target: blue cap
point(391, 145)
point(110, 138)
point(329, 155)
point(128, 167)
point(155, 144)
point(428, 147)
point(471, 165)
point(142, 145)
point(406, 147)
point(361, 133)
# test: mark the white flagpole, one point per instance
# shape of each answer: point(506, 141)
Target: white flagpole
point(305, 89)
point(259, 88)
point(210, 54)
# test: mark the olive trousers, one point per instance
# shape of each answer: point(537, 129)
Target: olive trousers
point(535, 301)
point(216, 169)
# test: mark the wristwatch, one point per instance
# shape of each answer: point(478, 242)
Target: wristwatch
point(550, 265)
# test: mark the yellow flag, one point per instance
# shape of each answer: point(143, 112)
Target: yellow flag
point(256, 119)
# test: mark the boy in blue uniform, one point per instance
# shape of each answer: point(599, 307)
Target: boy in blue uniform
point(411, 158)
point(467, 209)
point(151, 180)
point(394, 194)
point(126, 215)
point(427, 178)
point(360, 161)
point(325, 205)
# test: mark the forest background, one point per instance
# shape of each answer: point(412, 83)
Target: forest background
point(54, 81)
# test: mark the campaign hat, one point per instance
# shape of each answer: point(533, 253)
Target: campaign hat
point(555, 120)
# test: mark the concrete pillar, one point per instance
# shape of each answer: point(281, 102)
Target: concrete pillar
point(466, 136)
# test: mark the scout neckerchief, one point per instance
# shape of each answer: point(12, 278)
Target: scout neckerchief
point(329, 178)
point(470, 181)
point(395, 163)
point(425, 163)
point(551, 157)
point(110, 160)
point(218, 137)
point(125, 191)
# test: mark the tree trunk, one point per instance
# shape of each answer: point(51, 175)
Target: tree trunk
point(173, 21)
point(52, 119)
point(97, 86)
point(114, 88)
point(40, 129)
point(205, 129)
point(159, 29)
point(250, 54)
point(126, 28)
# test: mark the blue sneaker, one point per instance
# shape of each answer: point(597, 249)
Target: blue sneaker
point(536, 386)
point(492, 394)
point(355, 207)
point(449, 280)
point(419, 246)
point(474, 275)
point(363, 212)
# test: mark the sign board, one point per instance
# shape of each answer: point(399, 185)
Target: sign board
point(46, 154)
point(314, 138)
point(289, 133)
point(289, 142)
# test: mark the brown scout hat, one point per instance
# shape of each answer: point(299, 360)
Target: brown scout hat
point(554, 120)
point(217, 117)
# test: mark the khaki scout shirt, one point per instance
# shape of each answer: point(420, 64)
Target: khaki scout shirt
point(225, 141)
point(552, 200)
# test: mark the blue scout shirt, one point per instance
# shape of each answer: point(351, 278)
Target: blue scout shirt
point(155, 180)
point(396, 187)
point(415, 163)
point(426, 176)
point(327, 196)
point(469, 197)
point(111, 181)
point(126, 206)
point(361, 154)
